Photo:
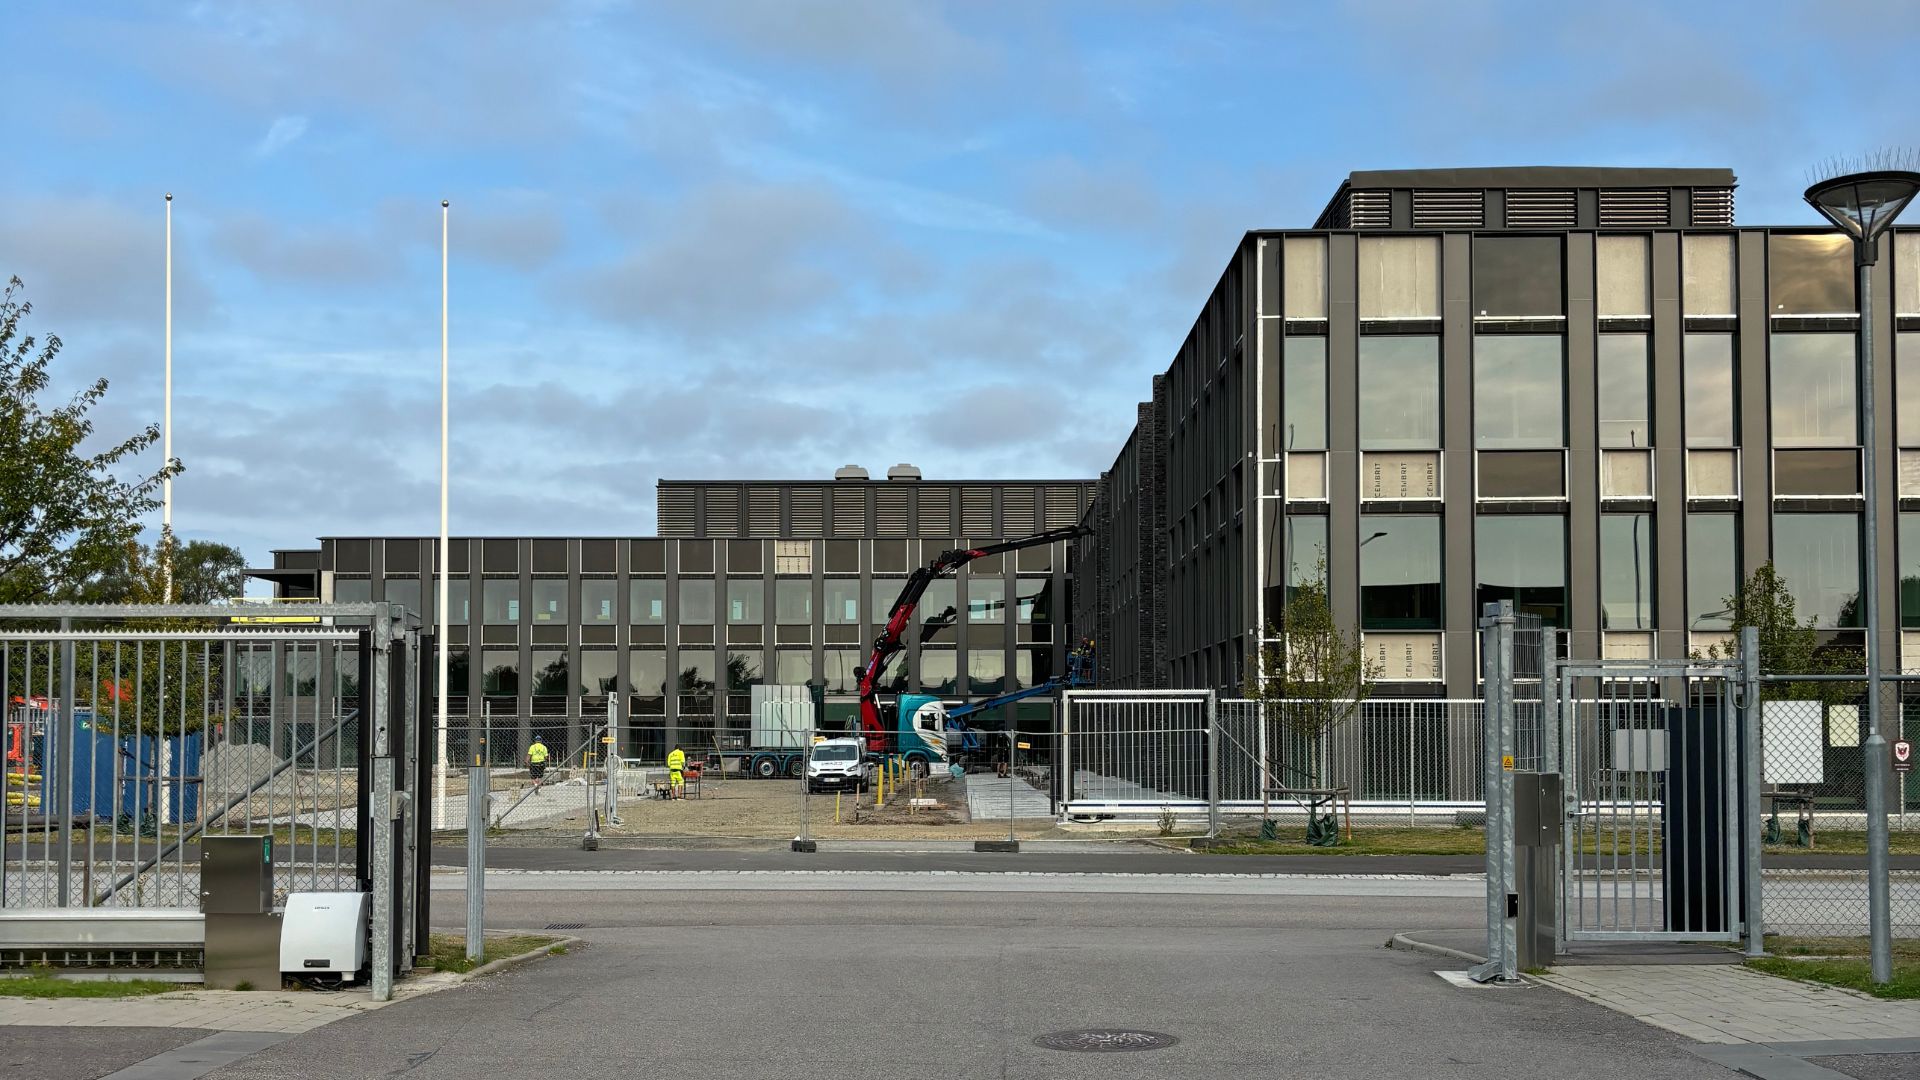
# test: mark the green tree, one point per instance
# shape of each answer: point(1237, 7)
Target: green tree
point(204, 572)
point(1310, 677)
point(65, 512)
point(1787, 646)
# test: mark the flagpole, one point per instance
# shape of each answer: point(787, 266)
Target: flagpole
point(440, 789)
point(166, 426)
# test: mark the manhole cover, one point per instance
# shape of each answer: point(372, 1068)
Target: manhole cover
point(566, 926)
point(1105, 1040)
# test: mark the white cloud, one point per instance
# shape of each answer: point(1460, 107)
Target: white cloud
point(286, 130)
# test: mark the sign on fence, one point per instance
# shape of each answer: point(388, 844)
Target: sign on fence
point(1902, 756)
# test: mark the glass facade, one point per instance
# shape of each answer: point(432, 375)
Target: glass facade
point(843, 602)
point(1519, 397)
point(648, 601)
point(1909, 571)
point(1713, 570)
point(1810, 274)
point(1400, 572)
point(1303, 393)
point(1518, 277)
point(696, 602)
point(746, 600)
point(1818, 557)
point(1814, 377)
point(1306, 549)
point(500, 601)
point(599, 600)
point(1707, 274)
point(1627, 571)
point(549, 600)
point(1522, 558)
point(1399, 277)
point(1624, 389)
point(793, 601)
point(1399, 392)
point(1620, 277)
point(1709, 404)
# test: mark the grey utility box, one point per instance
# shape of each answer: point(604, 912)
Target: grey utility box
point(1538, 814)
point(236, 897)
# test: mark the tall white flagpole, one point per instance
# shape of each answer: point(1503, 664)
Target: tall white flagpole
point(166, 424)
point(440, 789)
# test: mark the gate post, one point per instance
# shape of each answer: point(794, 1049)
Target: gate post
point(1213, 765)
point(1496, 652)
point(62, 740)
point(1063, 768)
point(380, 805)
point(1750, 780)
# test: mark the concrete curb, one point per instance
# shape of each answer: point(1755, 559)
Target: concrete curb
point(1412, 944)
point(505, 963)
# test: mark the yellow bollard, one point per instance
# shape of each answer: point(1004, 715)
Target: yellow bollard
point(836, 808)
point(880, 784)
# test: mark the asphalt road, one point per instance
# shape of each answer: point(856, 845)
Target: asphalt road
point(803, 985)
point(82, 1053)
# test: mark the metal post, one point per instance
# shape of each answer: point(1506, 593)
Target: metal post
point(806, 787)
point(1213, 765)
point(381, 805)
point(1012, 735)
point(611, 741)
point(61, 743)
point(1063, 768)
point(476, 858)
point(1873, 750)
point(1750, 772)
point(1497, 666)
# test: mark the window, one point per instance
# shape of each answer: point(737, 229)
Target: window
point(1517, 277)
point(696, 601)
point(1818, 557)
point(939, 672)
point(1035, 600)
point(696, 556)
point(1303, 392)
point(1037, 559)
point(843, 601)
point(352, 590)
point(746, 600)
point(743, 670)
point(1522, 558)
point(1400, 572)
point(597, 599)
point(1304, 277)
point(792, 667)
point(890, 556)
point(1626, 414)
point(1521, 474)
point(986, 671)
point(1909, 570)
point(882, 594)
point(793, 602)
point(1626, 571)
point(986, 600)
point(1713, 570)
point(938, 606)
point(743, 556)
point(1306, 550)
point(1709, 402)
point(1399, 393)
point(793, 556)
point(500, 601)
point(1810, 274)
point(551, 677)
point(550, 600)
point(840, 665)
point(1706, 272)
point(1813, 383)
point(647, 556)
point(500, 672)
point(843, 556)
point(1518, 398)
point(1620, 277)
point(459, 590)
point(648, 599)
point(599, 672)
point(1906, 383)
point(1399, 277)
point(1816, 473)
point(696, 680)
point(647, 674)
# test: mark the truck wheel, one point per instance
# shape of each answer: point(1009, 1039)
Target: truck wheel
point(917, 766)
point(793, 767)
point(765, 767)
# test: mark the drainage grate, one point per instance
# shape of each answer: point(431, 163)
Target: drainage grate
point(1105, 1040)
point(566, 926)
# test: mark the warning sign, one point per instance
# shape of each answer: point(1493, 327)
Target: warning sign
point(1506, 762)
point(1902, 756)
point(1024, 745)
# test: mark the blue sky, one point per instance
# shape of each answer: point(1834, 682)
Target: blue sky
point(764, 239)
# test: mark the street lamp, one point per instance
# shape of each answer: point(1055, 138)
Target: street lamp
point(1863, 205)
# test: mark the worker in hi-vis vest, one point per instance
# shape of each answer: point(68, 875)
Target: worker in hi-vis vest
point(677, 773)
point(537, 760)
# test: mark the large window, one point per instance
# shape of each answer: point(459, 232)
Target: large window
point(1706, 274)
point(1909, 572)
point(1399, 277)
point(840, 665)
point(1620, 284)
point(743, 670)
point(1810, 274)
point(500, 672)
point(1399, 393)
point(406, 592)
point(500, 601)
point(986, 671)
point(1400, 572)
point(459, 591)
point(599, 671)
point(792, 667)
point(1306, 550)
point(1818, 557)
point(746, 600)
point(1517, 277)
point(986, 600)
point(1626, 413)
point(1813, 383)
point(1522, 558)
point(1709, 402)
point(550, 600)
point(1626, 571)
point(696, 601)
point(552, 677)
point(598, 597)
point(648, 597)
point(843, 601)
point(793, 602)
point(1304, 393)
point(939, 672)
point(1035, 598)
point(1518, 395)
point(938, 606)
point(647, 674)
point(1713, 570)
point(1906, 383)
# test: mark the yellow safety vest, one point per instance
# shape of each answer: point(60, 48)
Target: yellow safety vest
point(677, 761)
point(537, 753)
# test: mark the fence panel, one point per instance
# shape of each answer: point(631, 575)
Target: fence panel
point(1136, 753)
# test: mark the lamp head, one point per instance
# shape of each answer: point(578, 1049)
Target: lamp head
point(1864, 203)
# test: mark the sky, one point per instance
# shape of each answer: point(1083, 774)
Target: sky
point(763, 239)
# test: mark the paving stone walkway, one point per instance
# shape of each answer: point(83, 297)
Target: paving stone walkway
point(214, 1010)
point(1726, 1004)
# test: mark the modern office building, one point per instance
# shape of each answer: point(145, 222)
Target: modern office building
point(1582, 389)
point(746, 582)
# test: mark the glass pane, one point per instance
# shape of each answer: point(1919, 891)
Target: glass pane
point(1399, 277)
point(1818, 557)
point(884, 592)
point(1906, 384)
point(743, 669)
point(696, 671)
point(1906, 273)
point(938, 606)
point(597, 599)
point(1035, 600)
point(1400, 572)
point(648, 599)
point(1626, 414)
point(459, 593)
point(746, 600)
point(1522, 558)
point(792, 667)
point(1626, 572)
point(1518, 399)
point(647, 672)
point(843, 601)
point(1816, 472)
point(986, 600)
point(500, 672)
point(406, 593)
point(986, 671)
point(696, 556)
point(840, 665)
point(744, 556)
point(500, 601)
point(550, 674)
point(1713, 570)
point(599, 671)
point(1399, 393)
point(1620, 277)
point(549, 600)
point(842, 557)
point(352, 590)
point(1813, 390)
point(1306, 549)
point(1304, 277)
point(1909, 571)
point(1522, 474)
point(1708, 372)
point(1304, 393)
point(1810, 274)
point(793, 602)
point(696, 601)
point(1706, 270)
point(939, 673)
point(1517, 276)
point(889, 556)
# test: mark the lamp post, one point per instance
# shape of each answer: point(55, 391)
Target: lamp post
point(166, 427)
point(440, 636)
point(1863, 205)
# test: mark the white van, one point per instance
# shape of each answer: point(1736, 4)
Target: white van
point(839, 765)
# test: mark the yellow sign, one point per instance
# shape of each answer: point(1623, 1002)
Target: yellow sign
point(1024, 745)
point(1506, 762)
point(606, 739)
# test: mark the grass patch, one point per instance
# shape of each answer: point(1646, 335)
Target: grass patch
point(1369, 841)
point(1842, 841)
point(448, 952)
point(1853, 973)
point(42, 984)
point(1792, 945)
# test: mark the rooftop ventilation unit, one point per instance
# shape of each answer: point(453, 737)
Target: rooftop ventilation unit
point(904, 471)
point(850, 472)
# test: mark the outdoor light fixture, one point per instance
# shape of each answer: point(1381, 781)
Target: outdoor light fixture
point(1863, 203)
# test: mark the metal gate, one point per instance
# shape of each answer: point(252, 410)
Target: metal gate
point(1655, 781)
point(1139, 752)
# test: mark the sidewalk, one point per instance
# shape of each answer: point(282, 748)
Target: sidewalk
point(1728, 1004)
point(284, 1012)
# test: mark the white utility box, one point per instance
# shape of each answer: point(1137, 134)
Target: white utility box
point(324, 933)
